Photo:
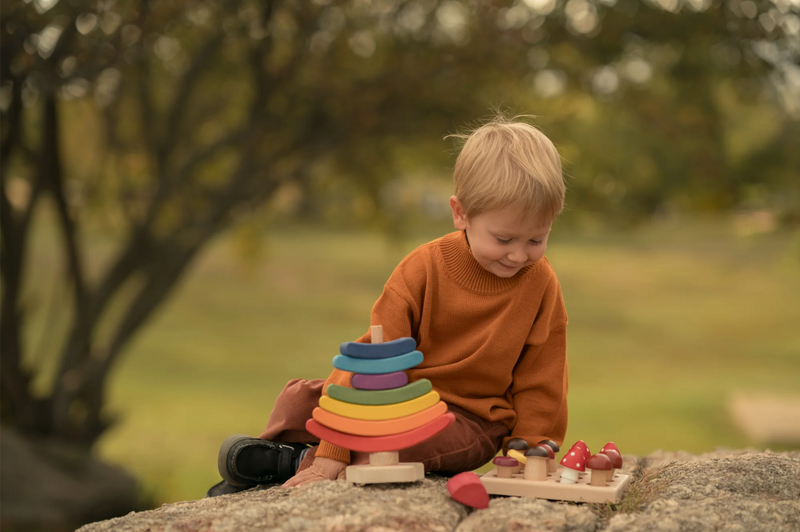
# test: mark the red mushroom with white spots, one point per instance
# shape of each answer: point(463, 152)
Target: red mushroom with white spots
point(601, 468)
point(585, 448)
point(610, 446)
point(580, 446)
point(574, 464)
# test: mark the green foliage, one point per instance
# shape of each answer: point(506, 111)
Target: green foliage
point(642, 96)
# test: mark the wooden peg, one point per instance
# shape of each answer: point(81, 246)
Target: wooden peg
point(376, 334)
point(384, 459)
point(506, 466)
point(536, 464)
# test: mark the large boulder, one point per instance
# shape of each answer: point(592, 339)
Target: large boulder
point(51, 485)
point(725, 490)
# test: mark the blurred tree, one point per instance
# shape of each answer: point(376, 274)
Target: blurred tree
point(207, 109)
point(668, 82)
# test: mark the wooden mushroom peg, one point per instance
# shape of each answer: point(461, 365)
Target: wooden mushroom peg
point(574, 464)
point(552, 465)
point(516, 444)
point(611, 446)
point(536, 462)
point(581, 447)
point(601, 468)
point(506, 466)
point(616, 460)
point(580, 444)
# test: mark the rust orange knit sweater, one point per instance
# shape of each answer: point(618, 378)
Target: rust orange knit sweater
point(493, 346)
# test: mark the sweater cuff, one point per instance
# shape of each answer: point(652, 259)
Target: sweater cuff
point(334, 452)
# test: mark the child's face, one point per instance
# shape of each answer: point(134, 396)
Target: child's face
point(502, 241)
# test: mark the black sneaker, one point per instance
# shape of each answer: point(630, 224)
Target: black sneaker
point(247, 461)
point(223, 488)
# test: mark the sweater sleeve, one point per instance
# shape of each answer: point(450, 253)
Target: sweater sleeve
point(541, 379)
point(396, 311)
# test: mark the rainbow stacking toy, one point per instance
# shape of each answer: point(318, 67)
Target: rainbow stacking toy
point(382, 413)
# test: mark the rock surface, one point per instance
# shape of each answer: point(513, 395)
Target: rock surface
point(725, 490)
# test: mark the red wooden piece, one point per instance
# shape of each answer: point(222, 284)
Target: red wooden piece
point(468, 489)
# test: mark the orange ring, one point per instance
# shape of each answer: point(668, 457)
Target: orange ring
point(360, 427)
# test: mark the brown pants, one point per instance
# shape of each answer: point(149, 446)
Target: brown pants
point(465, 445)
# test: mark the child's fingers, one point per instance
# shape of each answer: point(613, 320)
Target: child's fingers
point(321, 469)
point(304, 477)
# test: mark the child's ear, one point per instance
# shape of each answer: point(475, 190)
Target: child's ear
point(459, 217)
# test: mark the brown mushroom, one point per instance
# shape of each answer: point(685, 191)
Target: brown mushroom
point(552, 465)
point(550, 443)
point(536, 464)
point(516, 444)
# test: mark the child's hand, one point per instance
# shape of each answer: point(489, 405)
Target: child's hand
point(321, 469)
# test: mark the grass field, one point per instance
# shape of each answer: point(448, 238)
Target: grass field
point(666, 322)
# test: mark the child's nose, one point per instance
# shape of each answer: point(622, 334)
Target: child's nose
point(517, 255)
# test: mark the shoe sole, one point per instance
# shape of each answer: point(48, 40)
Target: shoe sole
point(222, 458)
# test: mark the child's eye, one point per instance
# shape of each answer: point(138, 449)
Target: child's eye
point(503, 240)
point(535, 242)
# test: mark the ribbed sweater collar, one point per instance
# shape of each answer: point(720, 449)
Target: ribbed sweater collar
point(459, 262)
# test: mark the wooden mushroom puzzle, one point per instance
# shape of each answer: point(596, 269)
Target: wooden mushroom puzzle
point(382, 413)
point(568, 482)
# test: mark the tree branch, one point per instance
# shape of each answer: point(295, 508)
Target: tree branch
point(183, 96)
point(149, 130)
point(14, 121)
point(93, 374)
point(18, 405)
point(184, 174)
point(51, 174)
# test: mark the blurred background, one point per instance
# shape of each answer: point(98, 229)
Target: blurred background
point(202, 199)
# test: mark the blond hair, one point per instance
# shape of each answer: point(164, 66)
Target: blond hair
point(509, 163)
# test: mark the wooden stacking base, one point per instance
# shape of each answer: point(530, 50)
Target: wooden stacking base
point(553, 489)
point(371, 474)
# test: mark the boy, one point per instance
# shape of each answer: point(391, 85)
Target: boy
point(486, 310)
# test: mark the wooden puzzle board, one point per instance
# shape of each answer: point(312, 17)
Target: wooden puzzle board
point(553, 489)
point(370, 474)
